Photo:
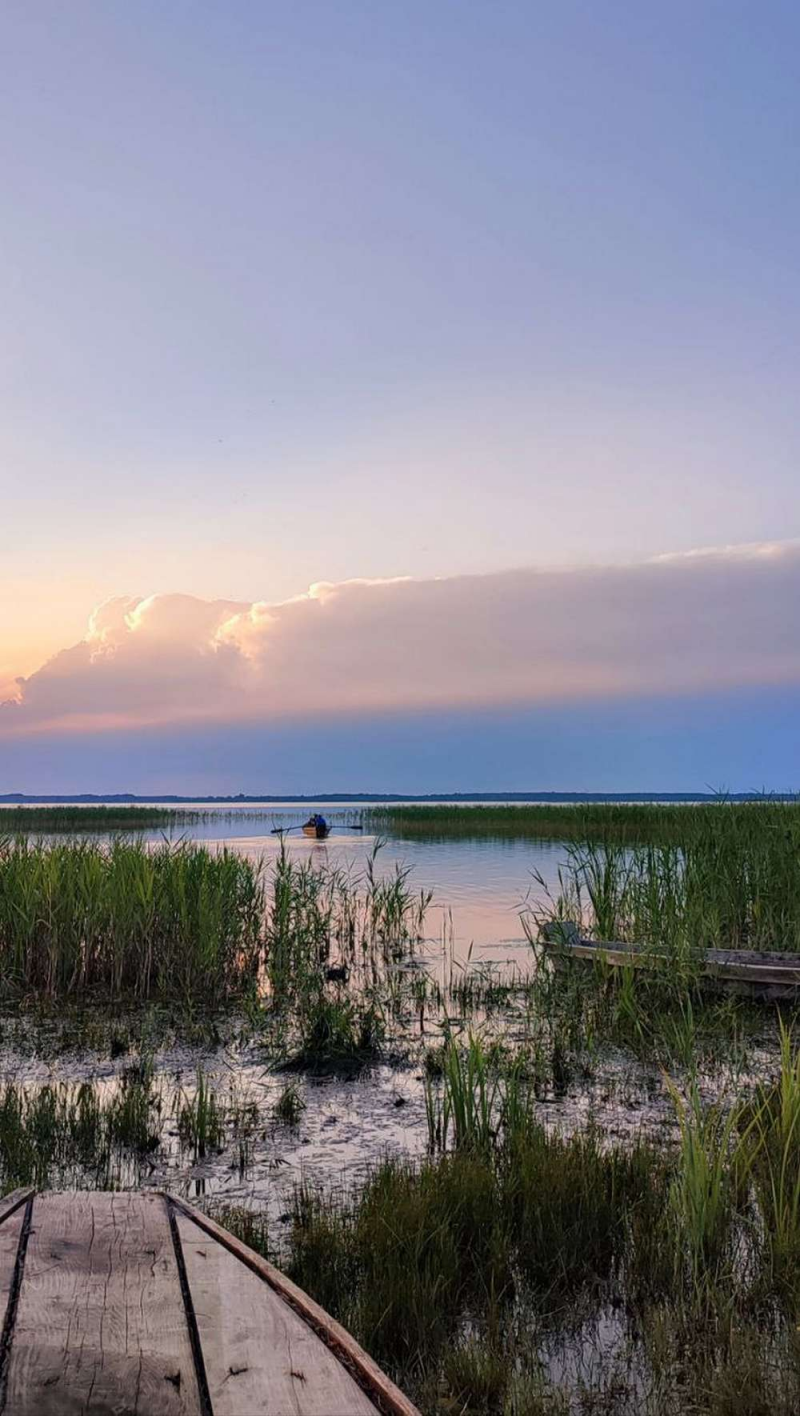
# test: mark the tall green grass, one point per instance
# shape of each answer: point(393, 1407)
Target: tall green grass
point(472, 1274)
point(331, 941)
point(124, 920)
point(97, 819)
point(634, 823)
point(186, 924)
point(738, 891)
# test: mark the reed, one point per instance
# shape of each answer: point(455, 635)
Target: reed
point(124, 920)
point(62, 1133)
point(771, 1138)
point(97, 819)
point(469, 1274)
point(473, 1274)
point(201, 1119)
point(741, 891)
point(290, 1105)
point(705, 1190)
point(628, 823)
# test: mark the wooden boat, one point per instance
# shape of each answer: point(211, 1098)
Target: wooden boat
point(136, 1304)
point(765, 976)
point(315, 831)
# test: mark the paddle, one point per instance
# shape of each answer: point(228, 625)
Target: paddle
point(281, 830)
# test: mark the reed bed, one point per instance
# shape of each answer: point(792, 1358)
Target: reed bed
point(185, 924)
point(123, 920)
point(517, 1271)
point(637, 822)
point(738, 890)
point(332, 939)
point(97, 819)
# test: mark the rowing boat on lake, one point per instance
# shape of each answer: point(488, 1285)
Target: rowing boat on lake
point(765, 976)
point(137, 1304)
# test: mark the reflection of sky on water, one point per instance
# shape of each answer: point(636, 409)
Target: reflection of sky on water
point(479, 886)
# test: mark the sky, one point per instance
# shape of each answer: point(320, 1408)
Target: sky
point(399, 396)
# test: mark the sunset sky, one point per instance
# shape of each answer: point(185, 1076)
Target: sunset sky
point(399, 395)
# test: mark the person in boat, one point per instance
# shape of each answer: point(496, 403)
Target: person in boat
point(318, 822)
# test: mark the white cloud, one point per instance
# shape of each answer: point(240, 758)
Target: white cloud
point(684, 623)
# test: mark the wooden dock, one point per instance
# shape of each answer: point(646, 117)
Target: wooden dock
point(136, 1304)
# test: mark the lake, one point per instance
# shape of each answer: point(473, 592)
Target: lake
point(479, 886)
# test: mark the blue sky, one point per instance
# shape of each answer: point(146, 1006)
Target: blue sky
point(312, 292)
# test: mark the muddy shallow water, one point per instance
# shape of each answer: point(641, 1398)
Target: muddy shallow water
point(349, 1124)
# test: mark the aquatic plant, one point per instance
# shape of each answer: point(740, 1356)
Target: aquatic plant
point(97, 819)
point(61, 1133)
point(173, 921)
point(290, 1105)
point(467, 1273)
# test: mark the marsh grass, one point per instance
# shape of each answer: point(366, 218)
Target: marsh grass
point(332, 940)
point(61, 1133)
point(290, 1105)
point(201, 929)
point(473, 1274)
point(771, 1139)
point(97, 819)
point(630, 823)
point(706, 1190)
point(177, 922)
point(201, 1118)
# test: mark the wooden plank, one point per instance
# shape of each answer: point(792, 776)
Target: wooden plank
point(101, 1326)
point(12, 1218)
point(724, 966)
point(260, 1356)
point(10, 1232)
point(387, 1395)
point(11, 1202)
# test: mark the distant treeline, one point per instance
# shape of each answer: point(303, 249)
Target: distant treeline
point(424, 798)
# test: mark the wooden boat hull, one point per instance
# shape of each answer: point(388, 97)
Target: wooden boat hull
point(115, 1303)
point(317, 833)
point(767, 977)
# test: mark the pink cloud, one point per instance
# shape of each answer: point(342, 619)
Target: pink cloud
point(677, 624)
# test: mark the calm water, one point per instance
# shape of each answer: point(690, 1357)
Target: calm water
point(479, 886)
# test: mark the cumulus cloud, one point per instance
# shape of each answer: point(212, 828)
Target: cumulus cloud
point(710, 619)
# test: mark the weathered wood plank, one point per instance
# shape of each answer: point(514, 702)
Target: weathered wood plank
point(101, 1327)
point(260, 1356)
point(390, 1398)
point(765, 975)
point(11, 1202)
point(10, 1231)
point(12, 1218)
